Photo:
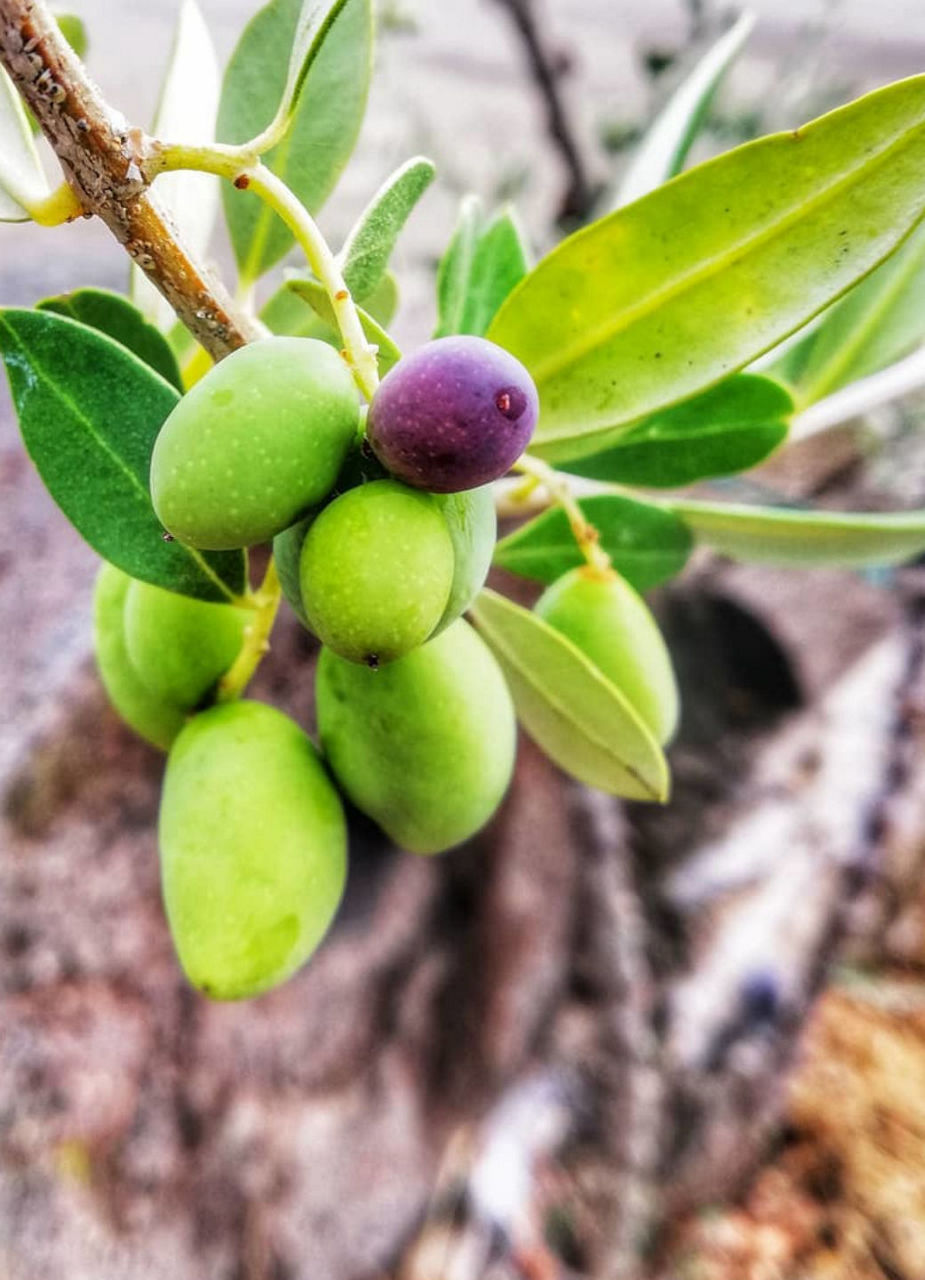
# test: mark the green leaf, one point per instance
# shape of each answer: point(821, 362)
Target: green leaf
point(114, 315)
point(665, 147)
point(481, 267)
point(877, 323)
point(499, 264)
point(646, 543)
point(89, 412)
point(371, 243)
point(455, 270)
point(22, 179)
point(286, 313)
point(798, 539)
point(382, 303)
point(74, 31)
point(186, 113)
point(731, 427)
point(311, 292)
point(314, 23)
point(567, 706)
point(324, 128)
point(669, 295)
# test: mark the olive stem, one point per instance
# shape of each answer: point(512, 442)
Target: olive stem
point(560, 492)
point(265, 603)
point(59, 206)
point(248, 173)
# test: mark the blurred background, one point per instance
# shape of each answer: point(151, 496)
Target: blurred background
point(592, 1042)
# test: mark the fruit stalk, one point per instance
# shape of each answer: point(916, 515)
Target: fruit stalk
point(265, 604)
point(560, 492)
point(249, 174)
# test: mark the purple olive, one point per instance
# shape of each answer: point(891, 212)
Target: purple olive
point(454, 415)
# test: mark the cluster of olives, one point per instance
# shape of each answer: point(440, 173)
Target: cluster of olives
point(382, 539)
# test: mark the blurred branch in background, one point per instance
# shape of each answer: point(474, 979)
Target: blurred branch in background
point(547, 67)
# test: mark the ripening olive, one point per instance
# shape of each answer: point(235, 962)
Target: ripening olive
point(426, 745)
point(153, 718)
point(611, 624)
point(360, 468)
point(253, 849)
point(473, 527)
point(454, 415)
point(255, 443)
point(179, 646)
point(376, 570)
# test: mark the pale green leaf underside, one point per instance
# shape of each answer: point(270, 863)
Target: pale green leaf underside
point(669, 295)
point(186, 113)
point(663, 150)
point(799, 539)
point(369, 246)
point(22, 180)
point(573, 713)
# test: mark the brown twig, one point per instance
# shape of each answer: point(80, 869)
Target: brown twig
point(100, 154)
point(544, 66)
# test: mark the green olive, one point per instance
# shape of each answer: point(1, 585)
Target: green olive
point(179, 646)
point(426, 745)
point(153, 718)
point(611, 624)
point(253, 849)
point(376, 570)
point(254, 444)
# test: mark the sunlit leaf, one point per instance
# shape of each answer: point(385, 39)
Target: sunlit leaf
point(669, 295)
point(186, 113)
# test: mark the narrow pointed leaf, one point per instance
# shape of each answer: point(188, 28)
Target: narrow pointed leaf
point(733, 426)
point(370, 245)
point(114, 315)
point(455, 270)
point(324, 127)
point(647, 544)
point(312, 293)
point(878, 322)
point(22, 180)
point(567, 706)
point(665, 147)
point(186, 113)
point(499, 263)
point(667, 296)
point(89, 412)
point(798, 539)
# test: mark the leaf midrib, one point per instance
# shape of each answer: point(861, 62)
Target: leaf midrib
point(122, 466)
